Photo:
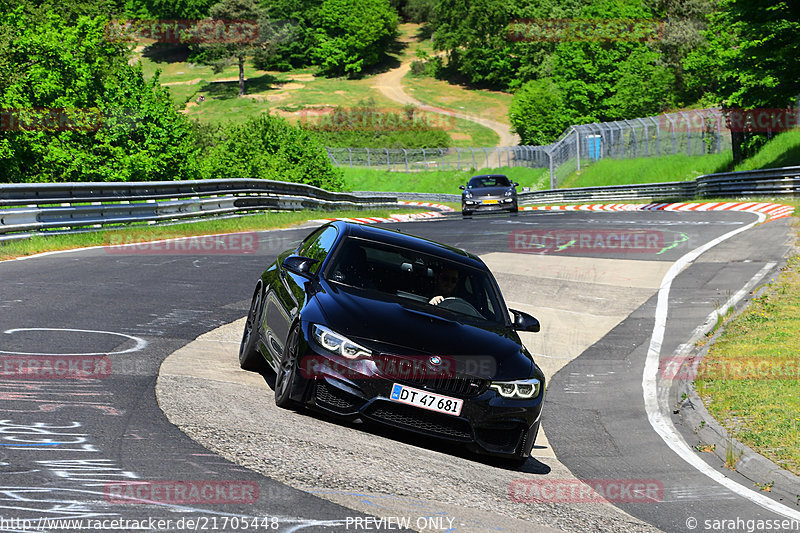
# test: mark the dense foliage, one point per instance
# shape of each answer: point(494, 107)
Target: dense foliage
point(268, 147)
point(342, 37)
point(658, 55)
point(74, 109)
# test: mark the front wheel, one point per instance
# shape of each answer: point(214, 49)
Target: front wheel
point(287, 371)
point(249, 358)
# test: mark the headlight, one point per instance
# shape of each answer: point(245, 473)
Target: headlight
point(467, 194)
point(337, 343)
point(508, 193)
point(522, 389)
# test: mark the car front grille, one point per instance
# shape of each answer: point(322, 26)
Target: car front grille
point(421, 420)
point(418, 374)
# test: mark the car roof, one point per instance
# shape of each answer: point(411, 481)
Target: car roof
point(489, 176)
point(398, 238)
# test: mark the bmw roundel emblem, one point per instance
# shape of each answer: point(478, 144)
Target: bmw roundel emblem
point(435, 360)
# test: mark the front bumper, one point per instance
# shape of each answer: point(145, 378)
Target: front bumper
point(488, 423)
point(494, 203)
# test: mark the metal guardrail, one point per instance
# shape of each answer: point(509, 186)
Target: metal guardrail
point(768, 182)
point(67, 206)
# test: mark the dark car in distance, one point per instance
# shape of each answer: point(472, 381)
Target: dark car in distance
point(372, 324)
point(489, 192)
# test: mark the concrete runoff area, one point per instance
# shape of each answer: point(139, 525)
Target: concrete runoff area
point(232, 412)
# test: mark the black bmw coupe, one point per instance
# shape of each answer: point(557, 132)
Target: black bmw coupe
point(367, 323)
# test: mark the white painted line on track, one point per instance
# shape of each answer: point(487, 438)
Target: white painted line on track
point(661, 423)
point(140, 343)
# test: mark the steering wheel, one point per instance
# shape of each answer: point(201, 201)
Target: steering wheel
point(459, 305)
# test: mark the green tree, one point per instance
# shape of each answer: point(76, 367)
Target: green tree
point(474, 33)
point(268, 147)
point(589, 72)
point(104, 122)
point(235, 45)
point(644, 86)
point(537, 112)
point(352, 35)
point(682, 27)
point(749, 61)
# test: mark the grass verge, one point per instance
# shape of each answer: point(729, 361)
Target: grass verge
point(783, 150)
point(141, 233)
point(750, 378)
point(436, 181)
point(647, 170)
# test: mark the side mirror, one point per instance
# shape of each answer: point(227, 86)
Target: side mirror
point(525, 322)
point(299, 265)
point(515, 184)
point(461, 187)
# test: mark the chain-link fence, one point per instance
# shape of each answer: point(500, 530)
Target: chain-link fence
point(695, 132)
point(416, 159)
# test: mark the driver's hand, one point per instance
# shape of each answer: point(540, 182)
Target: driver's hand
point(436, 300)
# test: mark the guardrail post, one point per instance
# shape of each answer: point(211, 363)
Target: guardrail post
point(474, 164)
point(350, 150)
point(389, 162)
point(441, 152)
point(368, 165)
point(405, 156)
point(577, 148)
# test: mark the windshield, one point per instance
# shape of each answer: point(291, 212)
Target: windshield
point(488, 181)
point(418, 280)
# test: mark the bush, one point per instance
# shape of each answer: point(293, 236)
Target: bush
point(537, 112)
point(268, 147)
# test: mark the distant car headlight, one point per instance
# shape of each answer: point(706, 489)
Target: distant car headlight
point(338, 344)
point(509, 193)
point(522, 389)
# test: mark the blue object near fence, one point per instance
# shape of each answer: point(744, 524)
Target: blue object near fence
point(594, 146)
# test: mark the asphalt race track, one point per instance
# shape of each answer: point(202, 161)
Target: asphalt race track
point(66, 444)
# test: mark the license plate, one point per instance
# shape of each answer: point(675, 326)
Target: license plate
point(489, 201)
point(426, 400)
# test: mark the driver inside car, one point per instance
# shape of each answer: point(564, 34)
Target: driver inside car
point(445, 285)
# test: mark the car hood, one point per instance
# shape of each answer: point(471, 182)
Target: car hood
point(489, 352)
point(489, 191)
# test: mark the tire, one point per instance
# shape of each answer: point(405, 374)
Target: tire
point(249, 357)
point(287, 371)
